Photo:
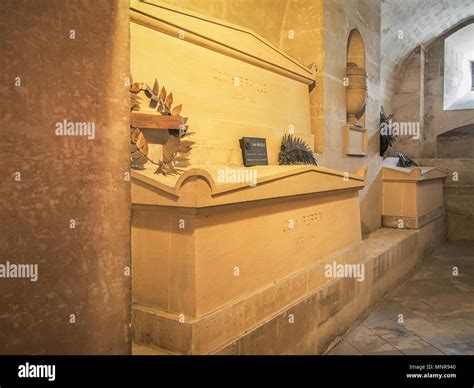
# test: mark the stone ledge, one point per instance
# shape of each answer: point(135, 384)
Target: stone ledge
point(413, 222)
point(213, 330)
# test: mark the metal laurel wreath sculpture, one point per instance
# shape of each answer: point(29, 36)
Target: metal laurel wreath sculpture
point(175, 142)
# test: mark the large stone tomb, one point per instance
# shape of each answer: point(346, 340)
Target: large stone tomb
point(214, 257)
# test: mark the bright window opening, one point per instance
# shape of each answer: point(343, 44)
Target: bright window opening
point(459, 69)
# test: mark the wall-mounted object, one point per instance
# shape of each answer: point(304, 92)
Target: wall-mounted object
point(152, 109)
point(405, 161)
point(254, 151)
point(355, 133)
point(229, 80)
point(355, 140)
point(356, 92)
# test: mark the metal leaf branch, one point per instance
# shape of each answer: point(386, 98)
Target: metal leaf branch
point(176, 143)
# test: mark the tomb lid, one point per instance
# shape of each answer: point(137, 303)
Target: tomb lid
point(202, 185)
point(217, 35)
point(411, 173)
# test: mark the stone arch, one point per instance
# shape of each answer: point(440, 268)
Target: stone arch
point(356, 49)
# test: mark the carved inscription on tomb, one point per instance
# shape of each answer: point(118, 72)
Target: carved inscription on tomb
point(303, 228)
point(311, 219)
point(243, 88)
point(303, 238)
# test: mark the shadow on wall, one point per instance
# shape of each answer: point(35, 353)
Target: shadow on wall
point(370, 203)
point(64, 200)
point(456, 143)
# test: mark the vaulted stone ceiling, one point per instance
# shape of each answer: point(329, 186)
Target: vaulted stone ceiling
point(421, 21)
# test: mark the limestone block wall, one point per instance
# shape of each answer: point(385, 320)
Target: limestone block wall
point(262, 16)
point(419, 98)
point(321, 30)
point(64, 203)
point(315, 32)
point(406, 25)
point(458, 195)
point(437, 120)
point(409, 102)
point(457, 143)
point(302, 37)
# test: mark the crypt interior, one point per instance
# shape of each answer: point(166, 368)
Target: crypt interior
point(264, 177)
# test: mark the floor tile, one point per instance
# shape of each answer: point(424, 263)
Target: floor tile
point(437, 309)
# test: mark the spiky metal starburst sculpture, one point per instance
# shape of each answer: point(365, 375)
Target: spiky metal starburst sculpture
point(175, 142)
point(294, 150)
point(405, 161)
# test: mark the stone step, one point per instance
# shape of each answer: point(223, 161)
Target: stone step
point(149, 350)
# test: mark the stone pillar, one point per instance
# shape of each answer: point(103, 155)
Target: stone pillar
point(64, 203)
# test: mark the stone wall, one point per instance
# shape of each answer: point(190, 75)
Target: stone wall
point(457, 143)
point(420, 97)
point(315, 32)
point(458, 195)
point(262, 16)
point(409, 102)
point(408, 24)
point(437, 120)
point(321, 30)
point(65, 205)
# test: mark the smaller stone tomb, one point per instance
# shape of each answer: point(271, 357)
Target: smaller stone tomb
point(411, 196)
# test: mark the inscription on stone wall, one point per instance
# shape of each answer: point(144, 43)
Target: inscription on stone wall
point(243, 88)
point(303, 238)
point(303, 226)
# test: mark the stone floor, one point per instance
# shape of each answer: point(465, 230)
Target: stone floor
point(432, 312)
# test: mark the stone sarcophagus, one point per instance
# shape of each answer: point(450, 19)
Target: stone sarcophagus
point(412, 196)
point(221, 248)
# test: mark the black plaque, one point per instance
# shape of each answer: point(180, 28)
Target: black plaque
point(254, 151)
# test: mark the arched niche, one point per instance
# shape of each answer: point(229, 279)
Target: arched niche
point(356, 49)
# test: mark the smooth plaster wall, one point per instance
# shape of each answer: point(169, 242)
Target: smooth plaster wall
point(81, 270)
